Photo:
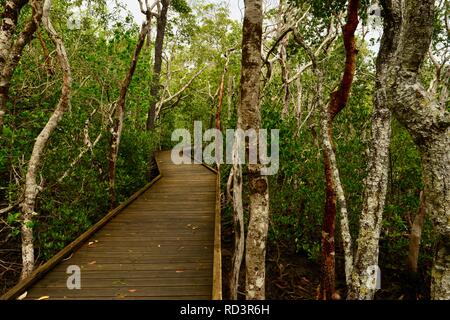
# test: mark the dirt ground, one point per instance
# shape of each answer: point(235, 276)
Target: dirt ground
point(289, 275)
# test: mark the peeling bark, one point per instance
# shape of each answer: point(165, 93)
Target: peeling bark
point(11, 52)
point(334, 190)
point(116, 131)
point(31, 187)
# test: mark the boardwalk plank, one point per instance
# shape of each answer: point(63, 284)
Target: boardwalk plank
point(159, 247)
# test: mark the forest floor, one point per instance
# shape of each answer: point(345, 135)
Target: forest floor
point(292, 276)
point(289, 275)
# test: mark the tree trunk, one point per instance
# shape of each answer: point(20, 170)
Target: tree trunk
point(285, 77)
point(116, 132)
point(230, 93)
point(8, 26)
point(427, 121)
point(156, 77)
point(11, 52)
point(334, 190)
point(436, 173)
point(221, 90)
point(249, 112)
point(31, 187)
point(363, 282)
point(238, 221)
point(299, 102)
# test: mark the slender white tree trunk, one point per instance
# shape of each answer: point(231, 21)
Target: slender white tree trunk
point(31, 187)
point(238, 221)
point(363, 281)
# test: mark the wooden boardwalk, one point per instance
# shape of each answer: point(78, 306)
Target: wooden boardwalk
point(159, 246)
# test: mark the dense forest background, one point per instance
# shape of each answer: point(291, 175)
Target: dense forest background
point(202, 48)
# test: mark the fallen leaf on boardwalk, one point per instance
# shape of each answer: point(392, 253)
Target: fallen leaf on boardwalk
point(119, 282)
point(92, 262)
point(179, 271)
point(23, 296)
point(44, 298)
point(120, 296)
point(180, 248)
point(132, 290)
point(159, 246)
point(90, 243)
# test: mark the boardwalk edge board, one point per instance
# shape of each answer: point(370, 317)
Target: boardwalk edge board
point(217, 267)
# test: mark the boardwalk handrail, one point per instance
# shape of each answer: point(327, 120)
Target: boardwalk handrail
point(23, 285)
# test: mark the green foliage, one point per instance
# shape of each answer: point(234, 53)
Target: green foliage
point(326, 8)
point(197, 37)
point(180, 6)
